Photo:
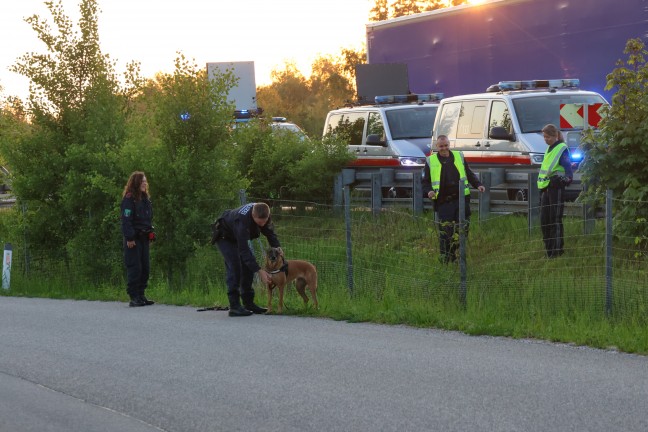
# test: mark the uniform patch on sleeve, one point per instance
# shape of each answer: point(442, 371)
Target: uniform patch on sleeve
point(127, 212)
point(246, 208)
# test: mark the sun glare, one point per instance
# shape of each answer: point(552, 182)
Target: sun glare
point(475, 2)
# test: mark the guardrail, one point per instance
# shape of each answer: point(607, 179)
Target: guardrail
point(375, 185)
point(7, 201)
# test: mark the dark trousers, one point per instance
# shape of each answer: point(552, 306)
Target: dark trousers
point(552, 206)
point(239, 277)
point(448, 214)
point(138, 267)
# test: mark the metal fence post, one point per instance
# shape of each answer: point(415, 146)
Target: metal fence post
point(338, 198)
point(26, 246)
point(462, 243)
point(349, 249)
point(242, 197)
point(608, 252)
point(6, 266)
point(485, 197)
point(417, 194)
point(376, 193)
point(533, 196)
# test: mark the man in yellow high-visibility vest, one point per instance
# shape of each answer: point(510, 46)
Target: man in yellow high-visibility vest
point(555, 174)
point(442, 175)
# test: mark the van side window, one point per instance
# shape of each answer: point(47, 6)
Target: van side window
point(347, 127)
point(500, 116)
point(471, 120)
point(449, 120)
point(375, 125)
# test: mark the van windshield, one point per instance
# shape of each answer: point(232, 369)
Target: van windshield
point(410, 123)
point(534, 113)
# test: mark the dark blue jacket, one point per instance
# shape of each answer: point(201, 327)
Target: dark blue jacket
point(238, 227)
point(136, 216)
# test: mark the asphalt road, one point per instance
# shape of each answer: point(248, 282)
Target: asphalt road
point(101, 366)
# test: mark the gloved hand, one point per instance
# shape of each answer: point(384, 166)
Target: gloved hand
point(558, 181)
point(565, 181)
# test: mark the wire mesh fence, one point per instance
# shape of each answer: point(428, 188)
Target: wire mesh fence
point(391, 259)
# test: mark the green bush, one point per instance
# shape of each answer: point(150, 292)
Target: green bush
point(616, 156)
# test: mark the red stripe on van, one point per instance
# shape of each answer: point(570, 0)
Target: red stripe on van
point(501, 160)
point(374, 162)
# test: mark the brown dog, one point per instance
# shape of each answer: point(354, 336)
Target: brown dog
point(282, 272)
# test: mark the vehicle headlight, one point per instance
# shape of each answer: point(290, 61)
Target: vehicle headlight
point(537, 159)
point(411, 161)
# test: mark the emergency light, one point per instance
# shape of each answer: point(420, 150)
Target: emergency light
point(390, 99)
point(571, 83)
point(247, 114)
point(576, 156)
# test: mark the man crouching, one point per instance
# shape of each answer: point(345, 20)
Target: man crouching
point(231, 232)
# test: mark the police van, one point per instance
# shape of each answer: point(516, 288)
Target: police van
point(393, 132)
point(503, 127)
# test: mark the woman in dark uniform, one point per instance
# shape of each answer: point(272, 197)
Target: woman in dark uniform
point(137, 228)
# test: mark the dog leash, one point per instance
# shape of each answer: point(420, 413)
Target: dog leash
point(212, 308)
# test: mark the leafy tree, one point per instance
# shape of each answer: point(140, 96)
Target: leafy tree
point(65, 168)
point(383, 10)
point(616, 156)
point(306, 101)
point(288, 95)
point(180, 136)
point(380, 11)
point(280, 164)
point(406, 7)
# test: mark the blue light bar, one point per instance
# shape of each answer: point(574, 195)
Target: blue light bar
point(539, 84)
point(389, 99)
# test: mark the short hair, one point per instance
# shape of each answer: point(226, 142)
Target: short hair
point(261, 210)
point(551, 130)
point(442, 137)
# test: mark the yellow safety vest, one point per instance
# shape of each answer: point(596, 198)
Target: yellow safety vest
point(435, 171)
point(550, 165)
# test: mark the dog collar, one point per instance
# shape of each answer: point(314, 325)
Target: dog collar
point(284, 268)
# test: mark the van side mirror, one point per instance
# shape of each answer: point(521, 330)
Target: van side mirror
point(375, 139)
point(500, 133)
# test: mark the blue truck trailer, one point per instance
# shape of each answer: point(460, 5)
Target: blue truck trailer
point(465, 49)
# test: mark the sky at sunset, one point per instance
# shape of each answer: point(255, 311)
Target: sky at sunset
point(268, 32)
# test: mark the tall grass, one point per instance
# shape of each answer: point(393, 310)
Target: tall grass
point(396, 278)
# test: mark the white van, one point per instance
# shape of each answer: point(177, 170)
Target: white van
point(503, 127)
point(393, 132)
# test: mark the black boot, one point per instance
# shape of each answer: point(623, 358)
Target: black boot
point(146, 301)
point(238, 310)
point(136, 302)
point(255, 309)
point(248, 302)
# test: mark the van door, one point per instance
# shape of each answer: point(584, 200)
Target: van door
point(376, 149)
point(498, 150)
point(472, 130)
point(348, 127)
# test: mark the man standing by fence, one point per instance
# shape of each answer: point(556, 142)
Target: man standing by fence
point(442, 175)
